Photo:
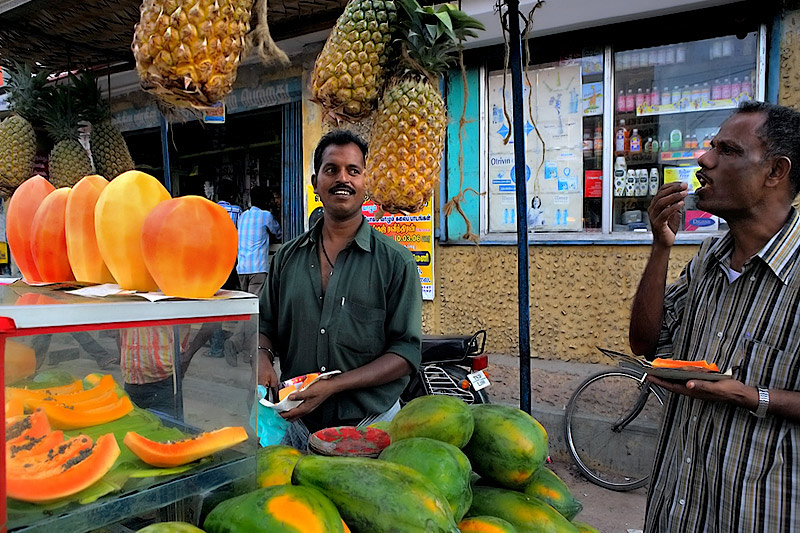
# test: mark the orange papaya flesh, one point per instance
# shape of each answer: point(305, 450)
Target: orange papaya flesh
point(67, 417)
point(105, 398)
point(525, 513)
point(678, 363)
point(18, 393)
point(33, 447)
point(105, 384)
point(170, 454)
point(41, 464)
point(485, 524)
point(29, 426)
point(76, 474)
point(14, 408)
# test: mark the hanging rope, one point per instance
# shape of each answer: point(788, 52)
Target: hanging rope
point(261, 39)
point(526, 68)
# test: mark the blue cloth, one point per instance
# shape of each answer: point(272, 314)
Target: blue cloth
point(233, 210)
point(255, 225)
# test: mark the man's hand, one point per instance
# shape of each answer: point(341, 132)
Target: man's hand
point(312, 398)
point(725, 390)
point(266, 372)
point(665, 212)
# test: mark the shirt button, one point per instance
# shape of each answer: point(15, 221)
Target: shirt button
point(682, 501)
point(688, 459)
point(752, 278)
point(322, 331)
point(719, 334)
point(322, 368)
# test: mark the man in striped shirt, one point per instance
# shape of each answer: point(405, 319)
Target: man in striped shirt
point(255, 226)
point(727, 458)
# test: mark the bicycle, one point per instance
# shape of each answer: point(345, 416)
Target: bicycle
point(612, 413)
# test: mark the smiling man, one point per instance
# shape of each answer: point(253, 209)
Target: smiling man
point(727, 458)
point(345, 297)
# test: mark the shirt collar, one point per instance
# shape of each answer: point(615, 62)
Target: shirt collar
point(779, 254)
point(362, 238)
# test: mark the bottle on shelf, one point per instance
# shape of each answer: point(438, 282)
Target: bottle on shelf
point(655, 97)
point(630, 104)
point(706, 143)
point(653, 181)
point(726, 89)
point(621, 141)
point(648, 145)
point(639, 98)
point(716, 90)
point(676, 96)
point(630, 183)
point(747, 89)
point(621, 107)
point(675, 139)
point(666, 96)
point(598, 141)
point(655, 147)
point(620, 176)
point(696, 92)
point(635, 142)
point(705, 93)
point(641, 182)
point(736, 88)
point(665, 145)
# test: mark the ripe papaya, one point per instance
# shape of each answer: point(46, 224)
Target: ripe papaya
point(176, 233)
point(84, 255)
point(438, 417)
point(284, 508)
point(64, 417)
point(180, 452)
point(35, 446)
point(485, 524)
point(526, 514)
point(49, 239)
point(275, 464)
point(26, 427)
point(377, 495)
point(171, 527)
point(507, 446)
point(552, 490)
point(680, 363)
point(50, 460)
point(441, 463)
point(19, 221)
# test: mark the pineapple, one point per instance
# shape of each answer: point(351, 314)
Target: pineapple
point(69, 161)
point(187, 51)
point(408, 131)
point(109, 150)
point(349, 72)
point(17, 136)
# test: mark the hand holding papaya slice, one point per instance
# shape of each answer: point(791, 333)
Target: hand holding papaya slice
point(702, 366)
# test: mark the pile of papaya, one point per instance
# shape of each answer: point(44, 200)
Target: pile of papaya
point(450, 468)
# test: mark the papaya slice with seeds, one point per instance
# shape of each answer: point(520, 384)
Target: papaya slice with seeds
point(29, 426)
point(14, 392)
point(679, 363)
point(54, 458)
point(31, 447)
point(76, 474)
point(68, 417)
point(105, 398)
point(176, 453)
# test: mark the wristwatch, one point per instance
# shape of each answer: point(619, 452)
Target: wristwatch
point(763, 402)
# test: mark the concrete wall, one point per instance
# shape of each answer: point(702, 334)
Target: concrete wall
point(580, 296)
point(789, 85)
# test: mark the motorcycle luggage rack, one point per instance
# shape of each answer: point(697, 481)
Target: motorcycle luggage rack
point(438, 382)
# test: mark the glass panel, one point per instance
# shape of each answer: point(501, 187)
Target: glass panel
point(563, 168)
point(669, 104)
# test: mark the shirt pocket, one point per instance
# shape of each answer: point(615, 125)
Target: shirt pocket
point(360, 331)
point(766, 366)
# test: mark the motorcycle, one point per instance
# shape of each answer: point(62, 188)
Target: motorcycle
point(452, 365)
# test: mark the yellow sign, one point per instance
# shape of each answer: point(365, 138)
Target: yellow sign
point(3, 253)
point(415, 232)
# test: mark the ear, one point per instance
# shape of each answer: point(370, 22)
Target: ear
point(779, 172)
point(314, 182)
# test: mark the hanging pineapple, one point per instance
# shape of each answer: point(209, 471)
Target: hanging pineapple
point(187, 51)
point(26, 91)
point(109, 150)
point(69, 160)
point(408, 132)
point(349, 72)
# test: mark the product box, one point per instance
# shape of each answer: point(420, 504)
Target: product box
point(700, 221)
point(684, 174)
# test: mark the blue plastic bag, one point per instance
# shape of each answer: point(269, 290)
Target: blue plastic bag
point(266, 422)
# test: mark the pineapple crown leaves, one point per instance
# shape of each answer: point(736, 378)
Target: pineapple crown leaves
point(432, 36)
point(27, 91)
point(61, 114)
point(92, 107)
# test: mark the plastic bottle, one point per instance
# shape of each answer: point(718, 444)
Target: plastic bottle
point(736, 88)
point(639, 98)
point(655, 147)
point(696, 92)
point(620, 175)
point(648, 145)
point(621, 139)
point(630, 183)
point(675, 139)
point(621, 107)
point(655, 97)
point(705, 93)
point(747, 89)
point(726, 89)
point(686, 96)
point(635, 142)
point(706, 143)
point(630, 103)
point(716, 90)
point(598, 141)
point(666, 96)
point(641, 182)
point(653, 181)
point(676, 96)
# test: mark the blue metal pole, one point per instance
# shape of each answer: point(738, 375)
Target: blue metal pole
point(515, 58)
point(165, 152)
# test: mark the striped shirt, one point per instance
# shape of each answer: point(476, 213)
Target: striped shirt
point(718, 468)
point(146, 354)
point(255, 225)
point(233, 211)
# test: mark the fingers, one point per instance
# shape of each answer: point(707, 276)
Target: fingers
point(668, 197)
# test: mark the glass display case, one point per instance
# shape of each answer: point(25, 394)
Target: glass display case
point(184, 364)
point(669, 103)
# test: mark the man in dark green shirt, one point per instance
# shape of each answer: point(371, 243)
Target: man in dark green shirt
point(342, 296)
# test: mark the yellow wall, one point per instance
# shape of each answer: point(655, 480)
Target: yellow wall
point(580, 296)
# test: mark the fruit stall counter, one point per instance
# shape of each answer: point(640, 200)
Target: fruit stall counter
point(119, 410)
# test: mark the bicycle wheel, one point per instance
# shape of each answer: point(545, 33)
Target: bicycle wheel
point(610, 452)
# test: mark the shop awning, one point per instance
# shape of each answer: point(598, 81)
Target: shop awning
point(70, 34)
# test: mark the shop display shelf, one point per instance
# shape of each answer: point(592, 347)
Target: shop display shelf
point(682, 155)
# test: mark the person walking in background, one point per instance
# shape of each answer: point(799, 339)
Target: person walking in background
point(226, 195)
point(727, 456)
point(255, 226)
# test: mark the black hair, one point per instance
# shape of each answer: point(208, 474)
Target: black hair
point(780, 134)
point(339, 138)
point(226, 191)
point(259, 197)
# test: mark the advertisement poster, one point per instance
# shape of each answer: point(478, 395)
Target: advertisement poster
point(593, 98)
point(553, 170)
point(415, 232)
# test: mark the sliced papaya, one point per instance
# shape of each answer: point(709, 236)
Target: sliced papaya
point(14, 408)
point(105, 384)
point(103, 399)
point(64, 417)
point(14, 392)
point(176, 453)
point(75, 475)
point(32, 447)
point(29, 426)
point(55, 458)
point(679, 363)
